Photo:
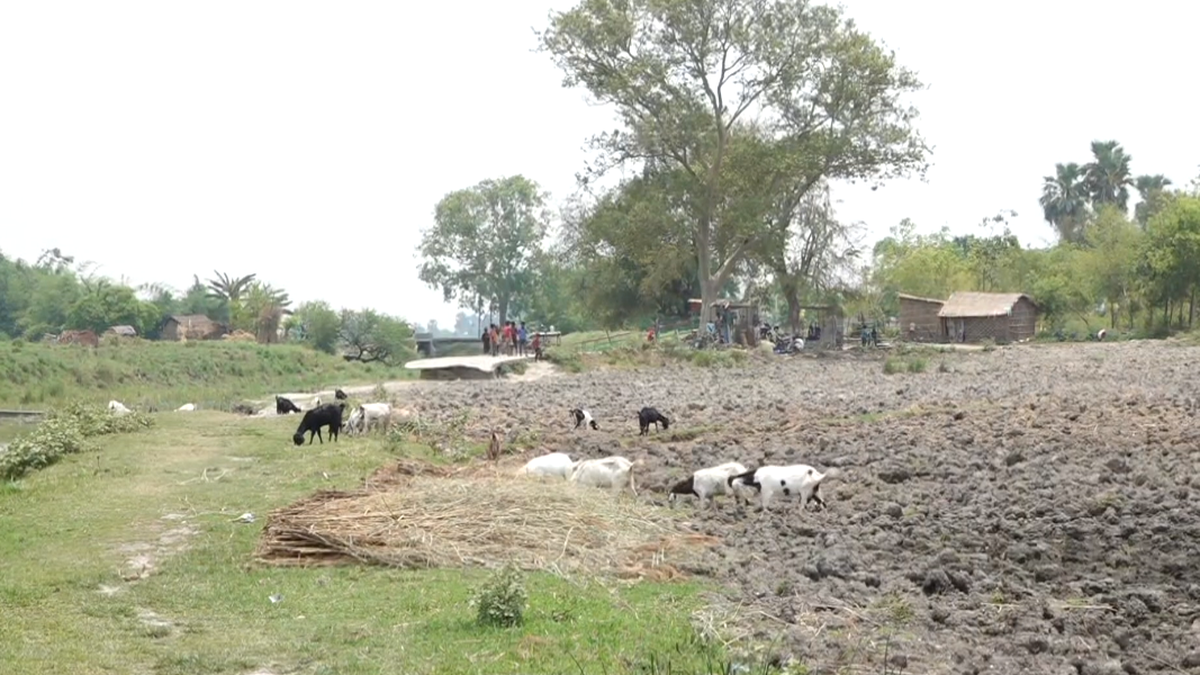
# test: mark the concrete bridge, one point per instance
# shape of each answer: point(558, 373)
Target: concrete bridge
point(462, 367)
point(428, 345)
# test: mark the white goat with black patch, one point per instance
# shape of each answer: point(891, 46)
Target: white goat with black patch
point(368, 415)
point(705, 484)
point(118, 408)
point(611, 472)
point(791, 479)
point(551, 465)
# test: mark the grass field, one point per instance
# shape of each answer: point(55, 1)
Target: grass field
point(170, 494)
point(169, 374)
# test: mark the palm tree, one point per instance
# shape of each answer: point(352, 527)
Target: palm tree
point(1151, 189)
point(1064, 200)
point(1108, 178)
point(229, 290)
point(266, 307)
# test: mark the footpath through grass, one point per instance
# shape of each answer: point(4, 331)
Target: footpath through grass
point(142, 373)
point(162, 503)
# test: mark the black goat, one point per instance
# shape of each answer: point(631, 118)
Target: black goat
point(328, 415)
point(648, 416)
point(584, 417)
point(284, 406)
point(340, 395)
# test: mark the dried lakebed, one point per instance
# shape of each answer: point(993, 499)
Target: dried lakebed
point(1029, 509)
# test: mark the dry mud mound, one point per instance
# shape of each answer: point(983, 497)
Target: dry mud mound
point(1030, 509)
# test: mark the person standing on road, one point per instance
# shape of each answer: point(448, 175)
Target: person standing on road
point(486, 338)
point(522, 339)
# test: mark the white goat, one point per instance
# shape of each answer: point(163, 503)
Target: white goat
point(611, 472)
point(554, 464)
point(368, 414)
point(186, 407)
point(118, 408)
point(772, 480)
point(707, 483)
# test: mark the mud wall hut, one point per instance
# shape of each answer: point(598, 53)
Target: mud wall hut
point(1000, 317)
point(919, 320)
point(191, 327)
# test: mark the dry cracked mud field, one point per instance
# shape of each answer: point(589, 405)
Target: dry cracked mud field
point(1028, 509)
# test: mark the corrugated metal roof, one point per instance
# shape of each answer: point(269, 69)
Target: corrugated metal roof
point(963, 305)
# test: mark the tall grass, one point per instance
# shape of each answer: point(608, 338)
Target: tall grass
point(168, 374)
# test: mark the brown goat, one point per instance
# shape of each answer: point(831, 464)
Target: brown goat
point(493, 450)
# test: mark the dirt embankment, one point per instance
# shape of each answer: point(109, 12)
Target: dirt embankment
point(1031, 509)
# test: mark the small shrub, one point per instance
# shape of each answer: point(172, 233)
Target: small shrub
point(379, 393)
point(501, 600)
point(568, 361)
point(944, 367)
point(64, 432)
point(917, 365)
point(892, 366)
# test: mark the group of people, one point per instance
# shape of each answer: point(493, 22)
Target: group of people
point(510, 339)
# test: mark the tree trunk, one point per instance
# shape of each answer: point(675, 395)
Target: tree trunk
point(1192, 308)
point(503, 307)
point(791, 293)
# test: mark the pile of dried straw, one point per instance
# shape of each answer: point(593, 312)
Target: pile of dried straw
point(424, 516)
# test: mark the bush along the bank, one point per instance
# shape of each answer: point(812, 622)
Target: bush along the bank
point(64, 431)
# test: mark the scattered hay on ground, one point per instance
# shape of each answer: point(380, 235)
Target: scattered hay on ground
point(416, 515)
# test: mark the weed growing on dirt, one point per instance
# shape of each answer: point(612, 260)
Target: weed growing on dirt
point(64, 432)
point(143, 374)
point(446, 439)
point(912, 364)
point(501, 600)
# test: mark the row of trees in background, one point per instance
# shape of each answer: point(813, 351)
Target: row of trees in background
point(55, 294)
point(734, 122)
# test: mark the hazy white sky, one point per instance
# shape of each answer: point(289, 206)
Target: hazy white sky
point(309, 142)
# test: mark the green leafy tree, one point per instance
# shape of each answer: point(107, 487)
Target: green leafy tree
point(1154, 196)
point(484, 243)
point(1110, 261)
point(686, 75)
point(316, 324)
point(228, 291)
point(103, 304)
point(262, 310)
point(1061, 288)
point(1065, 200)
point(1170, 250)
point(1107, 176)
point(370, 336)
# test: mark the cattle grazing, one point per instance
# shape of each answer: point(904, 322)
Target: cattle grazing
point(554, 464)
point(648, 416)
point(284, 406)
point(585, 418)
point(706, 484)
point(772, 480)
point(611, 472)
point(324, 416)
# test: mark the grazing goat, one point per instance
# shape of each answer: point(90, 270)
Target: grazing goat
point(1102, 334)
point(554, 464)
point(706, 484)
point(316, 402)
point(340, 395)
point(324, 416)
point(585, 418)
point(771, 480)
point(186, 407)
point(648, 416)
point(284, 406)
point(493, 449)
point(117, 408)
point(611, 472)
point(369, 413)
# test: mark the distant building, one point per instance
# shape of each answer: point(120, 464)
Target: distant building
point(919, 320)
point(968, 317)
point(191, 327)
point(122, 331)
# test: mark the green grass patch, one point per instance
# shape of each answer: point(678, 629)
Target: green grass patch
point(166, 375)
point(909, 364)
point(173, 492)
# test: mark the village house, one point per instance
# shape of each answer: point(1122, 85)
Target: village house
point(968, 317)
point(191, 327)
point(122, 331)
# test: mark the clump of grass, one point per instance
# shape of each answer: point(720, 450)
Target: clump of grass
point(912, 364)
point(141, 373)
point(501, 600)
point(64, 432)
